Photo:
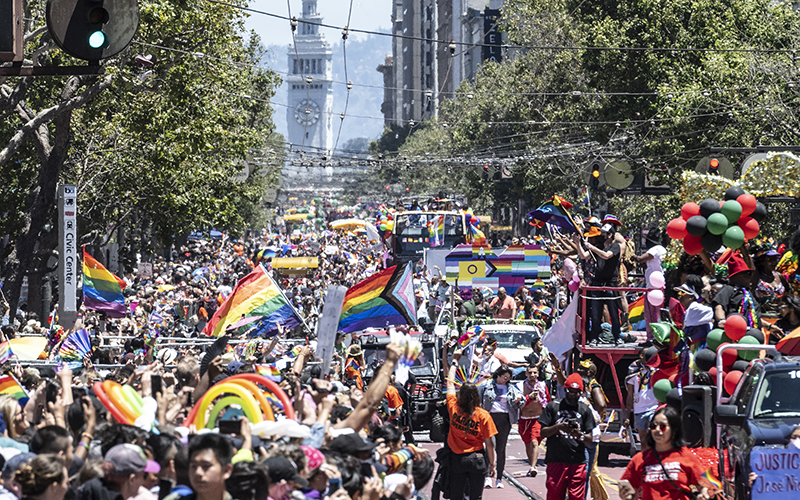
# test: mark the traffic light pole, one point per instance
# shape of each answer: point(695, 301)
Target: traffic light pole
point(19, 70)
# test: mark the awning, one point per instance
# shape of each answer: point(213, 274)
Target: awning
point(295, 262)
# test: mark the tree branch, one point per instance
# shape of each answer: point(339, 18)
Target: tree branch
point(50, 114)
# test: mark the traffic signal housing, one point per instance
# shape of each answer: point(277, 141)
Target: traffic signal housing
point(713, 166)
point(594, 180)
point(11, 30)
point(92, 29)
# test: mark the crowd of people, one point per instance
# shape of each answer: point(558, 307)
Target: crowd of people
point(350, 437)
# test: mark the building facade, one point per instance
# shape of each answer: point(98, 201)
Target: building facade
point(310, 79)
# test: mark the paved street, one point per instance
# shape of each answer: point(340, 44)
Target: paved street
point(517, 465)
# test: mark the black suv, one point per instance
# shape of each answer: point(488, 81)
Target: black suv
point(427, 370)
point(763, 411)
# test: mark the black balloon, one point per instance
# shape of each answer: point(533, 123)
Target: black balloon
point(708, 207)
point(673, 399)
point(705, 359)
point(733, 192)
point(760, 212)
point(696, 225)
point(740, 365)
point(651, 356)
point(711, 242)
point(757, 334)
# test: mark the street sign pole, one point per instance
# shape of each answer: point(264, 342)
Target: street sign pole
point(68, 260)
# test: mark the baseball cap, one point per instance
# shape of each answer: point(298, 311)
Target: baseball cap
point(283, 469)
point(349, 444)
point(128, 459)
point(14, 463)
point(574, 381)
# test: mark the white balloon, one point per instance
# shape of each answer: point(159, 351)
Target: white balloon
point(657, 280)
point(655, 297)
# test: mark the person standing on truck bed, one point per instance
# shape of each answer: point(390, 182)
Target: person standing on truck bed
point(503, 306)
point(606, 274)
point(737, 296)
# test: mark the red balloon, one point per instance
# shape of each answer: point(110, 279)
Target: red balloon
point(692, 244)
point(690, 209)
point(729, 357)
point(676, 229)
point(748, 203)
point(732, 380)
point(658, 375)
point(750, 227)
point(735, 327)
point(713, 373)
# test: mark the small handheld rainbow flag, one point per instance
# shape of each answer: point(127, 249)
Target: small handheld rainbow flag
point(353, 364)
point(714, 485)
point(5, 352)
point(10, 386)
point(636, 313)
point(269, 371)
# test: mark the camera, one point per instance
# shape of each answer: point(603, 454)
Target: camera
point(573, 423)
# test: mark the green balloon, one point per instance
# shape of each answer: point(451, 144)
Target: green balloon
point(715, 338)
point(732, 210)
point(733, 237)
point(661, 388)
point(748, 355)
point(717, 223)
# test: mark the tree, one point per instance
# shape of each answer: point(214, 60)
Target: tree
point(153, 151)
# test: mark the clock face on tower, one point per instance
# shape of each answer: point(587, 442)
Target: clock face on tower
point(307, 112)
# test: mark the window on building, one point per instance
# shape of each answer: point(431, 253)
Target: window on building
point(301, 65)
point(313, 65)
point(308, 65)
point(320, 66)
point(294, 66)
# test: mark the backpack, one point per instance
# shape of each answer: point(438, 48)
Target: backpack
point(630, 253)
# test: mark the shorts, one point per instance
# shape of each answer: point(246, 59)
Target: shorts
point(641, 421)
point(530, 429)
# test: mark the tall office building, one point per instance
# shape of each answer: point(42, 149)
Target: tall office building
point(310, 79)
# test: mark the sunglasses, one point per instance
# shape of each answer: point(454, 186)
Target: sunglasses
point(655, 425)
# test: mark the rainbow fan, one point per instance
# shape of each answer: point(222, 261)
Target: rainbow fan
point(461, 377)
point(77, 346)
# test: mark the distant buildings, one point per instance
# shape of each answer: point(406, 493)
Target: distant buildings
point(420, 73)
point(310, 78)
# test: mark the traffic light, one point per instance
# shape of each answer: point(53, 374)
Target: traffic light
point(713, 166)
point(485, 174)
point(11, 30)
point(594, 180)
point(92, 29)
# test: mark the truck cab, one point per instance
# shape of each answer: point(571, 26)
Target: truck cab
point(761, 413)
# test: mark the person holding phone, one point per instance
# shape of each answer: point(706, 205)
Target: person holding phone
point(469, 439)
point(668, 470)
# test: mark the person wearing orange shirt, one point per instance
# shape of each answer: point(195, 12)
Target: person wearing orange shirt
point(469, 439)
point(355, 363)
point(395, 401)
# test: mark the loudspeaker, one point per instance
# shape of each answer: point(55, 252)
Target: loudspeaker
point(697, 413)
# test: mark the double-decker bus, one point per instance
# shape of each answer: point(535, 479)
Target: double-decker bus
point(411, 234)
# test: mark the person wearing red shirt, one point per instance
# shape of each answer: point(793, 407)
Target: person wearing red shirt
point(667, 470)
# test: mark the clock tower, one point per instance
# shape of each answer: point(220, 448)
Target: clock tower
point(310, 112)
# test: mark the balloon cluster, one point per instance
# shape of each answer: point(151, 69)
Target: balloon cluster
point(712, 223)
point(657, 281)
point(385, 221)
point(734, 362)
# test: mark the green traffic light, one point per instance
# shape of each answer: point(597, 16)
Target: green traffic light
point(97, 40)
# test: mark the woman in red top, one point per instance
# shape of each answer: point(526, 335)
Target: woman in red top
point(469, 439)
point(666, 471)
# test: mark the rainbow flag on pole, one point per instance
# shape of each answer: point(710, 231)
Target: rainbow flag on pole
point(436, 231)
point(5, 352)
point(102, 291)
point(255, 295)
point(385, 298)
point(636, 313)
point(9, 385)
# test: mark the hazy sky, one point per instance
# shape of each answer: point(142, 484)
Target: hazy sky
point(366, 14)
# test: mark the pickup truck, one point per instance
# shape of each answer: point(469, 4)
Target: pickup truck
point(761, 414)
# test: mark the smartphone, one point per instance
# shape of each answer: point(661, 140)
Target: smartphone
point(230, 427)
point(366, 469)
point(156, 385)
point(334, 484)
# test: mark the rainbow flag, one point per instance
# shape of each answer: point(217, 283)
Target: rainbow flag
point(709, 480)
point(585, 193)
point(9, 385)
point(255, 295)
point(269, 371)
point(353, 364)
point(436, 231)
point(5, 352)
point(385, 298)
point(636, 313)
point(102, 291)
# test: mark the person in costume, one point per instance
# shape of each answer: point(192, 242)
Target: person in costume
point(737, 295)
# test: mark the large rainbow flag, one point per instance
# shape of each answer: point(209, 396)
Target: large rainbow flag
point(385, 298)
point(102, 291)
point(636, 313)
point(255, 295)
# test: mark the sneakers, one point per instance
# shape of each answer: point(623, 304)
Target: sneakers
point(487, 483)
point(619, 342)
point(499, 484)
point(533, 472)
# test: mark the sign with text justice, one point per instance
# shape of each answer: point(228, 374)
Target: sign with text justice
point(777, 473)
point(475, 266)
